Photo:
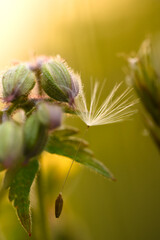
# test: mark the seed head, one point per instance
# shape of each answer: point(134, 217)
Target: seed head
point(58, 205)
point(145, 78)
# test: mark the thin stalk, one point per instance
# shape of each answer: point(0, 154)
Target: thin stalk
point(69, 170)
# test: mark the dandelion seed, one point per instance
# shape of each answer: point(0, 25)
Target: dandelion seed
point(113, 109)
point(58, 205)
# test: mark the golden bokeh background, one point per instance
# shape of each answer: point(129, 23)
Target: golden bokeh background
point(91, 35)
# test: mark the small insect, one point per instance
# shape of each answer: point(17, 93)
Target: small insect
point(58, 205)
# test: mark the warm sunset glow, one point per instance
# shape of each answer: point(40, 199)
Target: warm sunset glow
point(22, 33)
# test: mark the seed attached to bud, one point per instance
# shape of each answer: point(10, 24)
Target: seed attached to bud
point(35, 136)
point(17, 82)
point(58, 81)
point(11, 144)
point(50, 115)
point(58, 205)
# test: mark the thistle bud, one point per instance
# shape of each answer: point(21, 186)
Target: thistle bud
point(58, 81)
point(50, 115)
point(58, 205)
point(11, 144)
point(17, 82)
point(35, 136)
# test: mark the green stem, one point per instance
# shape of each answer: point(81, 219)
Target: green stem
point(41, 199)
point(38, 75)
point(2, 193)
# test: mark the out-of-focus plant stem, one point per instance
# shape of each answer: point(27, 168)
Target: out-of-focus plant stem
point(146, 80)
point(2, 193)
point(43, 219)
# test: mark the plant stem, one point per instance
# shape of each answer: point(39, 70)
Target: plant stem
point(41, 199)
point(38, 78)
point(2, 193)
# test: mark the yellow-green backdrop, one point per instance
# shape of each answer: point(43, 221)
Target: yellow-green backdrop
point(91, 35)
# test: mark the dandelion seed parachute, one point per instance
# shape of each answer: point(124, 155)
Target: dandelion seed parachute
point(112, 109)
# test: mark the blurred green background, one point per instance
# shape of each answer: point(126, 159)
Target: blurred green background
point(90, 35)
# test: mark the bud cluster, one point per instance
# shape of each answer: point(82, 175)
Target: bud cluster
point(37, 92)
point(20, 141)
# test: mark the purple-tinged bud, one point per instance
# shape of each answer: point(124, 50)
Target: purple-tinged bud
point(50, 115)
point(59, 81)
point(17, 82)
point(11, 144)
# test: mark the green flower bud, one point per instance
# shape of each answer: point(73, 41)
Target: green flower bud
point(17, 82)
point(58, 81)
point(11, 144)
point(50, 115)
point(35, 136)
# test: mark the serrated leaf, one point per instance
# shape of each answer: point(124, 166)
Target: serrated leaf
point(67, 146)
point(76, 142)
point(65, 132)
point(8, 177)
point(19, 192)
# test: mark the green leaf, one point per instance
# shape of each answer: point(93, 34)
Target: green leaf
point(9, 176)
point(65, 132)
point(19, 192)
point(75, 148)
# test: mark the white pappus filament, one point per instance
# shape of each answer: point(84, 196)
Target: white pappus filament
point(112, 109)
